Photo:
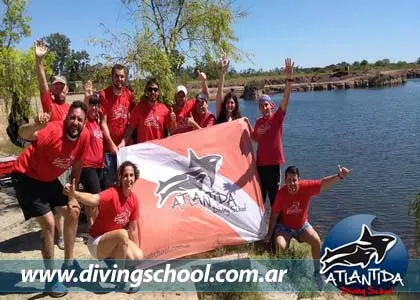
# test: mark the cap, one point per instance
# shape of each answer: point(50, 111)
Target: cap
point(94, 99)
point(201, 97)
point(59, 78)
point(181, 88)
point(264, 98)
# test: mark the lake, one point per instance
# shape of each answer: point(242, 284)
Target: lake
point(376, 133)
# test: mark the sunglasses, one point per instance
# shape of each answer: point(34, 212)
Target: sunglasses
point(151, 89)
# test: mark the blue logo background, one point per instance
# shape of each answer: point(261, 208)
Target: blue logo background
point(347, 231)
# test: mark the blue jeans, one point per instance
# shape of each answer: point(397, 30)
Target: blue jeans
point(110, 169)
point(291, 233)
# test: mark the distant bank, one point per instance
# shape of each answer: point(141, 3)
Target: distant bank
point(316, 82)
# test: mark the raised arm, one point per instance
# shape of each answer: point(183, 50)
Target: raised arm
point(88, 91)
point(40, 51)
point(288, 71)
point(219, 97)
point(29, 132)
point(204, 87)
point(329, 181)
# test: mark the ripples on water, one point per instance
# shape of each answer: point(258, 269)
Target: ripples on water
point(376, 133)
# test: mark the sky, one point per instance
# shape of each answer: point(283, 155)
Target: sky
point(311, 32)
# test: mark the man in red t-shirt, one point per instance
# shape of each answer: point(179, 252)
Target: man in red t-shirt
point(184, 108)
point(53, 100)
point(150, 117)
point(201, 117)
point(56, 146)
point(268, 132)
point(292, 205)
point(115, 102)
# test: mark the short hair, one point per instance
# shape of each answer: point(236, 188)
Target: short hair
point(151, 81)
point(78, 104)
point(117, 67)
point(293, 170)
point(128, 164)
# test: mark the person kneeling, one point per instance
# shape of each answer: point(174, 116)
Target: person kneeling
point(292, 204)
point(117, 206)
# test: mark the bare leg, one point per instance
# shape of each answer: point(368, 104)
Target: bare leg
point(310, 236)
point(59, 223)
point(113, 244)
point(282, 242)
point(47, 239)
point(71, 218)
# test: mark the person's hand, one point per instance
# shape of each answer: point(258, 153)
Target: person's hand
point(172, 115)
point(288, 68)
point(70, 188)
point(343, 172)
point(40, 49)
point(190, 120)
point(42, 119)
point(88, 88)
point(113, 148)
point(122, 144)
point(202, 76)
point(224, 63)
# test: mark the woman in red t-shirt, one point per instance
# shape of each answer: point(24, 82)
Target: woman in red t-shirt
point(117, 209)
point(228, 109)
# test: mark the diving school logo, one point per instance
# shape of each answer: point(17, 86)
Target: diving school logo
point(359, 261)
point(197, 186)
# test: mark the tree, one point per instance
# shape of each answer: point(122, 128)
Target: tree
point(76, 65)
point(418, 61)
point(168, 32)
point(59, 44)
point(15, 24)
point(364, 62)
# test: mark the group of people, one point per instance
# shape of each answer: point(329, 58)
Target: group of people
point(78, 143)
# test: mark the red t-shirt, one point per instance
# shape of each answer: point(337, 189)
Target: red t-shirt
point(150, 121)
point(183, 115)
point(58, 111)
point(205, 121)
point(116, 108)
point(52, 153)
point(268, 133)
point(115, 211)
point(294, 209)
point(94, 156)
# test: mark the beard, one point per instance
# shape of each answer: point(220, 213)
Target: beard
point(72, 133)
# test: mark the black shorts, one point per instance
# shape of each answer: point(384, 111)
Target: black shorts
point(91, 179)
point(37, 198)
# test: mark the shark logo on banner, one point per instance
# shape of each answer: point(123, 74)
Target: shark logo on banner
point(197, 193)
point(200, 169)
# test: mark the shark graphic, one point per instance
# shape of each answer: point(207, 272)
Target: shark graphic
point(380, 244)
point(359, 257)
point(202, 173)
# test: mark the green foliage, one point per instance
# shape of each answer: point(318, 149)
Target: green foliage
point(15, 24)
point(168, 33)
point(18, 81)
point(59, 44)
point(415, 211)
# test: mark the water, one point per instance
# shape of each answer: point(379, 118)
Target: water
point(376, 133)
